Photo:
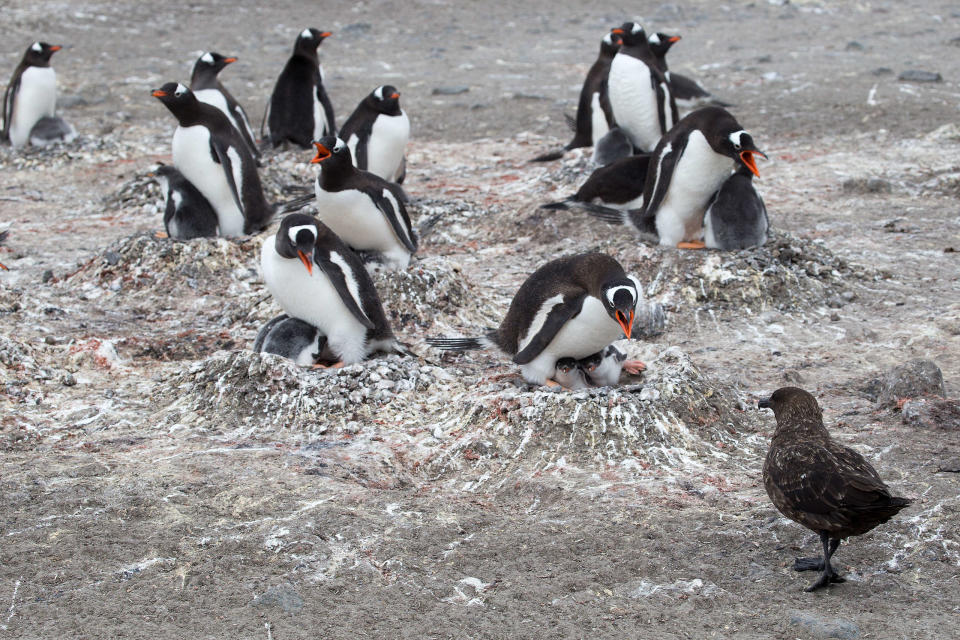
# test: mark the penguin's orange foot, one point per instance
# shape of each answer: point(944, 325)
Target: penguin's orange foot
point(335, 365)
point(553, 383)
point(4, 267)
point(160, 235)
point(693, 244)
point(634, 367)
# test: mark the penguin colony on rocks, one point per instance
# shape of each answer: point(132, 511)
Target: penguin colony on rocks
point(685, 182)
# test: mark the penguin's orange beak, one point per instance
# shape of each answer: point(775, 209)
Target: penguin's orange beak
point(322, 153)
point(326, 34)
point(673, 38)
point(746, 157)
point(306, 261)
point(159, 93)
point(625, 324)
point(56, 47)
point(617, 31)
point(229, 60)
point(394, 96)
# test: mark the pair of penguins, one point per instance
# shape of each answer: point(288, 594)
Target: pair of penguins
point(30, 101)
point(570, 309)
point(688, 193)
point(214, 187)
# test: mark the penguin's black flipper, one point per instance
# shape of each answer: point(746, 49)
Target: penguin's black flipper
point(220, 154)
point(555, 154)
point(558, 316)
point(295, 204)
point(338, 279)
point(559, 205)
point(9, 97)
point(399, 220)
point(662, 174)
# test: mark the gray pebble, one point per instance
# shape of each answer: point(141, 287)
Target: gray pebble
point(47, 276)
point(914, 75)
point(449, 91)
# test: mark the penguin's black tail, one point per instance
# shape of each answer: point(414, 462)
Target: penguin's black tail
point(560, 205)
point(294, 204)
point(571, 122)
point(607, 214)
point(553, 154)
point(462, 344)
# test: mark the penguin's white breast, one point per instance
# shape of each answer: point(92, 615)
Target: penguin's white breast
point(191, 155)
point(36, 98)
point(598, 120)
point(356, 219)
point(586, 333)
point(634, 101)
point(387, 144)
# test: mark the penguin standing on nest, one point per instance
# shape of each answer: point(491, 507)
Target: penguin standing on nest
point(819, 483)
point(30, 101)
point(568, 308)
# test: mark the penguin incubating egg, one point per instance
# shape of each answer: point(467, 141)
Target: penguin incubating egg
point(643, 106)
point(363, 209)
point(688, 166)
point(294, 339)
point(186, 213)
point(30, 101)
point(568, 308)
point(737, 217)
point(207, 87)
point(316, 278)
point(299, 110)
point(377, 133)
point(825, 486)
point(212, 155)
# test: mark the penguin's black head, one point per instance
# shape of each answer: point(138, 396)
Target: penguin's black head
point(332, 147)
point(660, 43)
point(566, 365)
point(166, 171)
point(310, 39)
point(739, 145)
point(630, 34)
point(620, 298)
point(39, 53)
point(174, 95)
point(385, 99)
point(297, 237)
point(610, 44)
point(213, 62)
point(590, 363)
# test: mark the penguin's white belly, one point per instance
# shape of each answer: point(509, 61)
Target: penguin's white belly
point(313, 299)
point(191, 155)
point(356, 219)
point(214, 98)
point(36, 98)
point(607, 373)
point(598, 120)
point(387, 144)
point(586, 333)
point(634, 101)
point(696, 177)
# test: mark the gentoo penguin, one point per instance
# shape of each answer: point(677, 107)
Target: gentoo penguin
point(569, 375)
point(594, 115)
point(618, 185)
point(569, 307)
point(639, 93)
point(316, 278)
point(31, 94)
point(737, 217)
point(363, 209)
point(602, 369)
point(294, 339)
point(377, 133)
point(51, 129)
point(207, 87)
point(299, 110)
point(688, 166)
point(819, 483)
point(687, 92)
point(212, 155)
point(186, 213)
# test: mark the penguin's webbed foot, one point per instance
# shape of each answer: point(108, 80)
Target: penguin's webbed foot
point(553, 384)
point(336, 365)
point(693, 244)
point(161, 235)
point(634, 367)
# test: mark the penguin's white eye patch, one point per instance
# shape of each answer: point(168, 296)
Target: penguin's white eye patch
point(735, 138)
point(378, 94)
point(636, 28)
point(612, 293)
point(36, 47)
point(608, 38)
point(306, 34)
point(294, 231)
point(180, 90)
point(207, 58)
point(655, 38)
point(338, 146)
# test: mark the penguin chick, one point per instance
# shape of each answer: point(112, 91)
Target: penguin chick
point(186, 213)
point(737, 217)
point(569, 375)
point(821, 484)
point(602, 369)
point(294, 339)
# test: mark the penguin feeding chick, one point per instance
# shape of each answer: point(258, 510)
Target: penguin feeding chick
point(736, 217)
point(570, 307)
point(377, 133)
point(212, 155)
point(207, 87)
point(316, 278)
point(299, 110)
point(30, 101)
point(364, 210)
point(819, 483)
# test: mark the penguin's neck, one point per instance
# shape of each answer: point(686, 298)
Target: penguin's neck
point(333, 173)
point(203, 79)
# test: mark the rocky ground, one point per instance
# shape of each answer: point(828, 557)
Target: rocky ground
point(158, 479)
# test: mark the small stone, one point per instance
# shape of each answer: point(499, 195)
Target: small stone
point(449, 91)
point(283, 596)
point(950, 466)
point(68, 380)
point(834, 317)
point(929, 413)
point(909, 380)
point(47, 276)
point(835, 302)
point(914, 75)
point(853, 45)
point(882, 71)
point(821, 627)
point(112, 258)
